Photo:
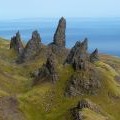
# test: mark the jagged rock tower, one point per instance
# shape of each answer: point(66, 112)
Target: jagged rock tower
point(16, 43)
point(78, 55)
point(86, 79)
point(59, 36)
point(47, 72)
point(32, 48)
point(94, 56)
point(59, 41)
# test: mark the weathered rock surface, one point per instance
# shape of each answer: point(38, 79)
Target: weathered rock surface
point(78, 55)
point(94, 56)
point(85, 103)
point(16, 43)
point(59, 41)
point(59, 36)
point(83, 82)
point(32, 48)
point(86, 78)
point(9, 109)
point(47, 72)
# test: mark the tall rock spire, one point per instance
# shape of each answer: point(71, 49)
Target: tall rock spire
point(16, 43)
point(59, 36)
point(32, 48)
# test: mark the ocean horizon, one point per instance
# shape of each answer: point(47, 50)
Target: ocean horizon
point(102, 33)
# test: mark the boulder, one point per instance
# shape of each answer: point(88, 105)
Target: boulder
point(16, 43)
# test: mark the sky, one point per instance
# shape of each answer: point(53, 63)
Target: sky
point(15, 9)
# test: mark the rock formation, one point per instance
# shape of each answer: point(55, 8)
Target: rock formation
point(47, 72)
point(94, 56)
point(78, 55)
point(59, 36)
point(32, 48)
point(85, 103)
point(59, 41)
point(85, 82)
point(16, 43)
point(86, 79)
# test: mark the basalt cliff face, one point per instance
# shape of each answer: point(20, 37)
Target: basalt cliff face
point(51, 82)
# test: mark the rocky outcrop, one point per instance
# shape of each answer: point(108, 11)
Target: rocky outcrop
point(86, 78)
point(85, 82)
point(59, 36)
point(59, 41)
point(78, 55)
point(94, 56)
point(16, 43)
point(47, 72)
point(32, 48)
point(85, 103)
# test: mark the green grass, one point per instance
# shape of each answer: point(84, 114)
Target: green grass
point(91, 115)
point(47, 101)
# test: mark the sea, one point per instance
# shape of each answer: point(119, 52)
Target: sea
point(102, 33)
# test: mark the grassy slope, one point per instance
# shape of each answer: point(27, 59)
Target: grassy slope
point(47, 101)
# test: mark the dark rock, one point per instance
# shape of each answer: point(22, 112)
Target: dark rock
point(76, 114)
point(47, 72)
point(58, 45)
point(83, 82)
point(16, 43)
point(32, 48)
point(59, 36)
point(78, 55)
point(94, 56)
point(85, 103)
point(86, 78)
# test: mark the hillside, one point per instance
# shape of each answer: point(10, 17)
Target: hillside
point(46, 101)
point(38, 87)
